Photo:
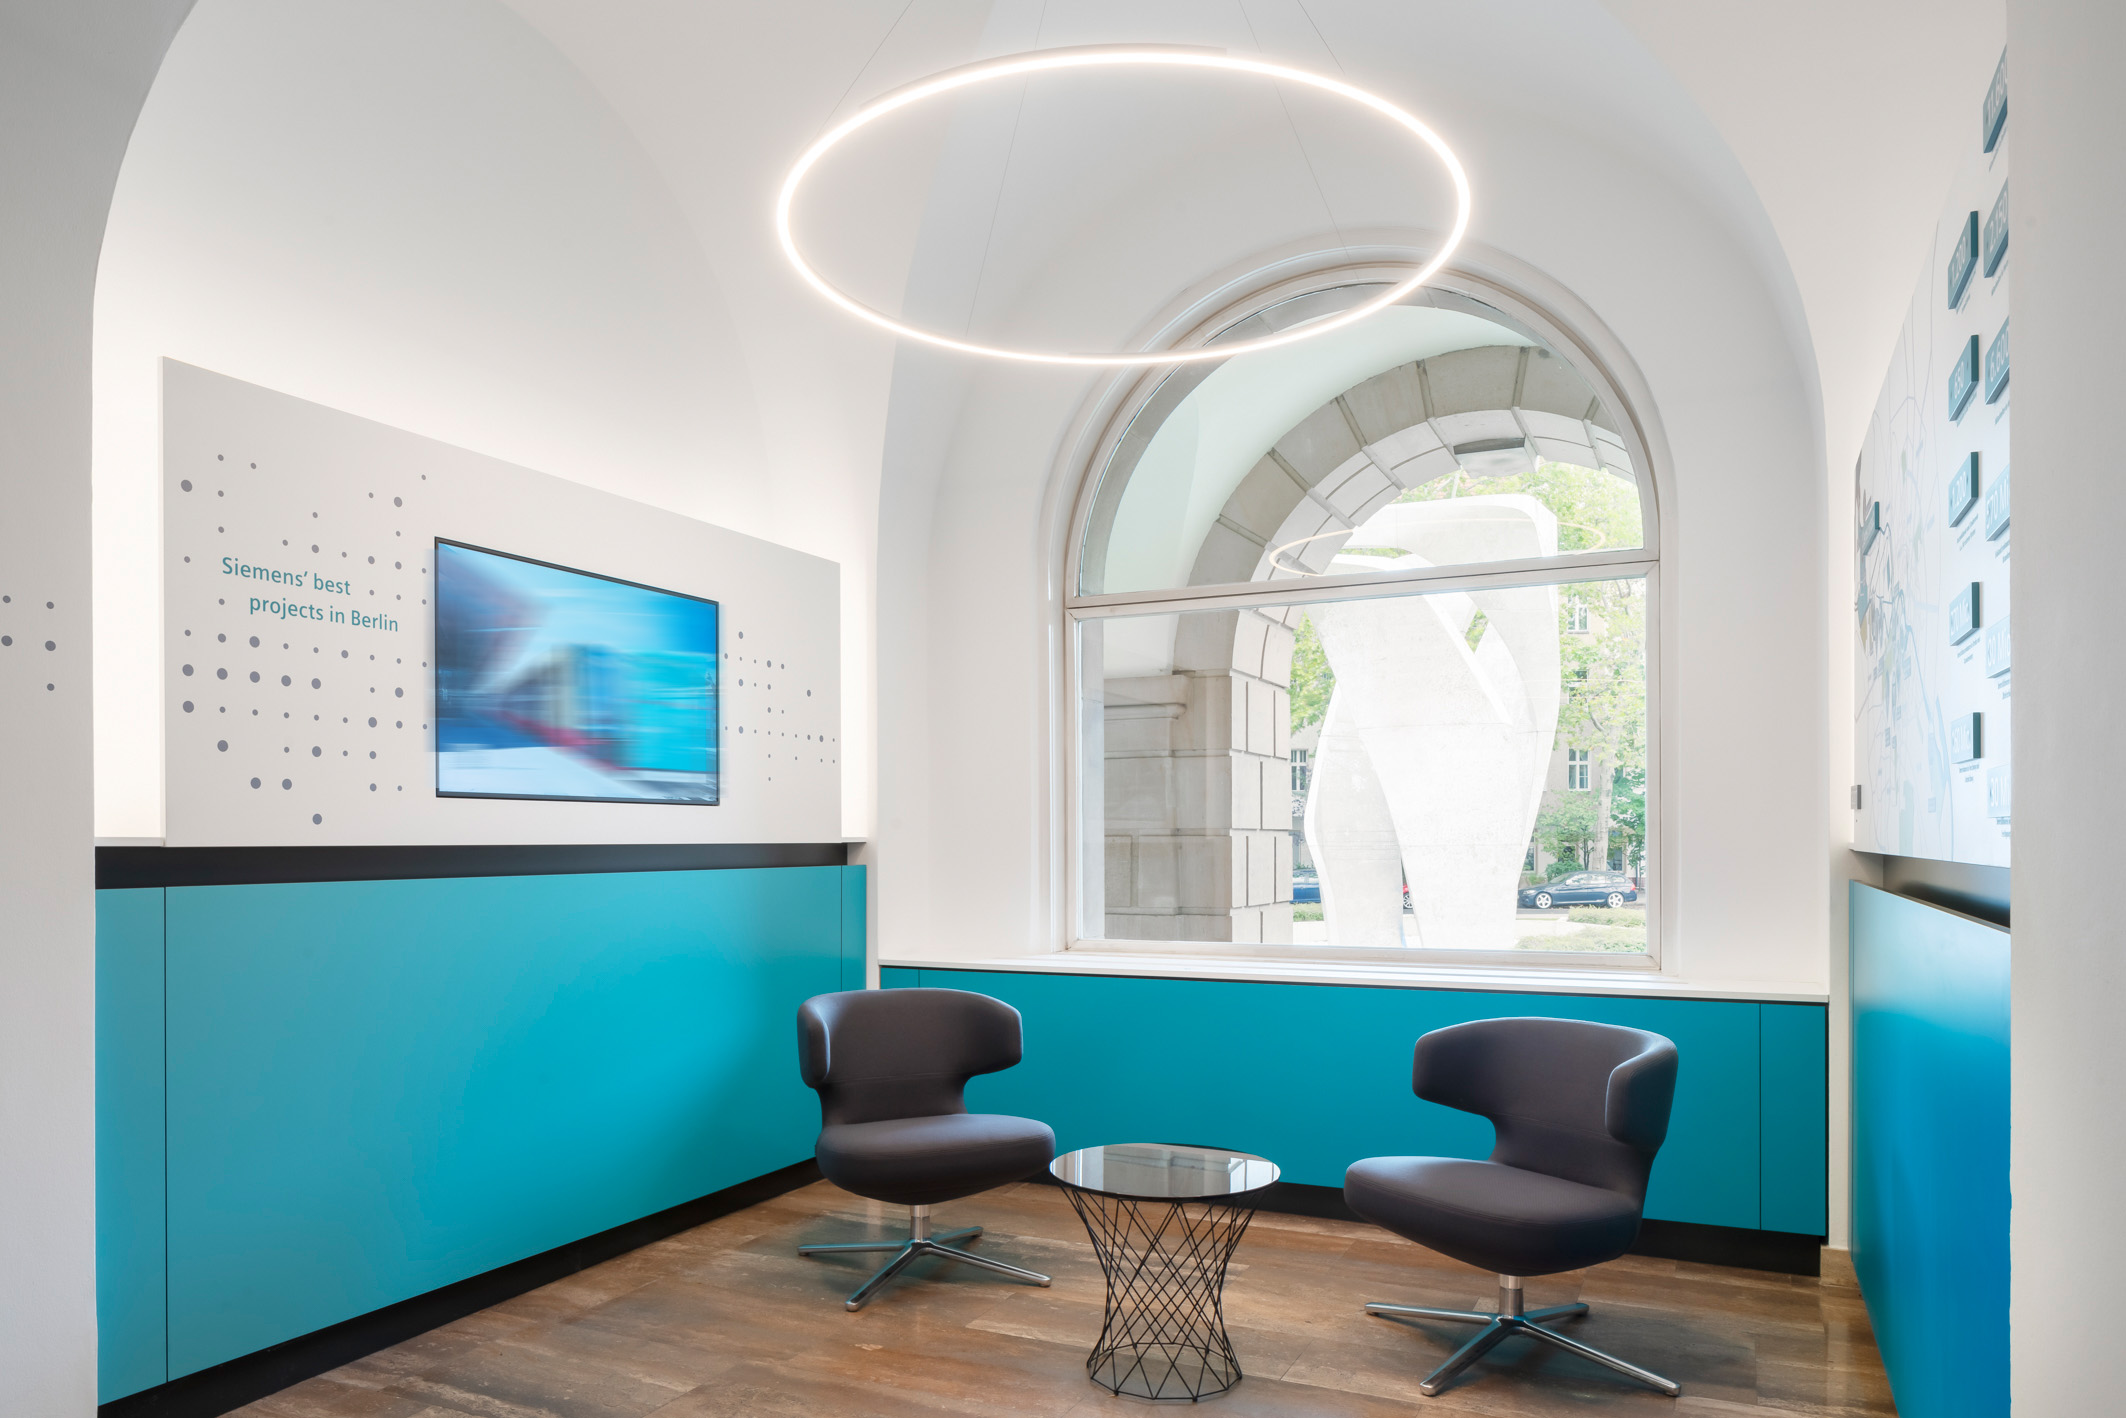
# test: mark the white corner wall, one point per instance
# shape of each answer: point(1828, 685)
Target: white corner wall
point(73, 74)
point(2068, 1150)
point(416, 211)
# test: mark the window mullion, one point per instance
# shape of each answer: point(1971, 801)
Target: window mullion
point(1490, 576)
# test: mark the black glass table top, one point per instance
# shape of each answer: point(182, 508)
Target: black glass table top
point(1152, 1171)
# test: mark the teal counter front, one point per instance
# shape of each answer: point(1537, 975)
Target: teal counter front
point(1318, 1076)
point(316, 1100)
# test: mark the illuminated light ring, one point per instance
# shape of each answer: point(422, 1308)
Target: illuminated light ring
point(1102, 56)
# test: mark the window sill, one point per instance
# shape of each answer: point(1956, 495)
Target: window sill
point(1547, 980)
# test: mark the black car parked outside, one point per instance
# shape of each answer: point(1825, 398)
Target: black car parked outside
point(1582, 888)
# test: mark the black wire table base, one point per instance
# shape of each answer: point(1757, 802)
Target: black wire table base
point(1164, 1335)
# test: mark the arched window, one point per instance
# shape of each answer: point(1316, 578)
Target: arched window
point(1414, 556)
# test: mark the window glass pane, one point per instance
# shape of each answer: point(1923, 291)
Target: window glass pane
point(1427, 435)
point(1434, 810)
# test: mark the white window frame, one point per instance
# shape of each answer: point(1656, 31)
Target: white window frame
point(1579, 770)
point(1121, 404)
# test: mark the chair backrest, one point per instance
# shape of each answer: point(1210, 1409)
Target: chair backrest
point(1586, 1102)
point(873, 1055)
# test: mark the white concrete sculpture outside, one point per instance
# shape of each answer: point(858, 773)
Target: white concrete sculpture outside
point(1433, 752)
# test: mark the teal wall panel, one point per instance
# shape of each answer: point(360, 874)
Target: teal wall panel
point(1930, 1151)
point(131, 1299)
point(379, 1088)
point(856, 961)
point(1317, 1076)
point(1792, 1088)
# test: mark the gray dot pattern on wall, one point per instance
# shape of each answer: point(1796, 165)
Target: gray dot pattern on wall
point(308, 584)
point(7, 642)
point(762, 694)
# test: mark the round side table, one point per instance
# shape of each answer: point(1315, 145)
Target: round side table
point(1164, 1221)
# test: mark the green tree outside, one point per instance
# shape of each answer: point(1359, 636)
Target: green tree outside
point(1566, 829)
point(1312, 678)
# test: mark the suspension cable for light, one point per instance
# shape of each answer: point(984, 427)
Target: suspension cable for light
point(1105, 56)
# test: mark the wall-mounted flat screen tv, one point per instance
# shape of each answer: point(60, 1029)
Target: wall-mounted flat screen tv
point(563, 685)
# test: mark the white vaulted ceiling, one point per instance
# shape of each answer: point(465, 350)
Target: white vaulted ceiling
point(1830, 127)
point(1849, 120)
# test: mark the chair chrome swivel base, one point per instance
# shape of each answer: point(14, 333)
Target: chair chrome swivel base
point(920, 1243)
point(1510, 1320)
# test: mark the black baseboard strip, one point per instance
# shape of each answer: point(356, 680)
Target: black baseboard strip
point(1779, 1251)
point(1784, 1252)
point(255, 866)
point(212, 1392)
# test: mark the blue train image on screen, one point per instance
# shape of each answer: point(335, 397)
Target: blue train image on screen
point(560, 684)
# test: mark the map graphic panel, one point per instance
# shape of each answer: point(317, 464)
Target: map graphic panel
point(1933, 674)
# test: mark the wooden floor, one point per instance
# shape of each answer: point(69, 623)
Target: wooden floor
point(727, 1319)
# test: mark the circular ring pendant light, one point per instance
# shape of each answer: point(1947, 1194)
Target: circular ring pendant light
point(1099, 57)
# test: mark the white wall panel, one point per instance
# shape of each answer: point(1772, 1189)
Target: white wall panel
point(323, 733)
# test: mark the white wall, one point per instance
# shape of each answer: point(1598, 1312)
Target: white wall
point(723, 98)
point(964, 518)
point(72, 77)
point(2068, 109)
point(1630, 204)
point(418, 212)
